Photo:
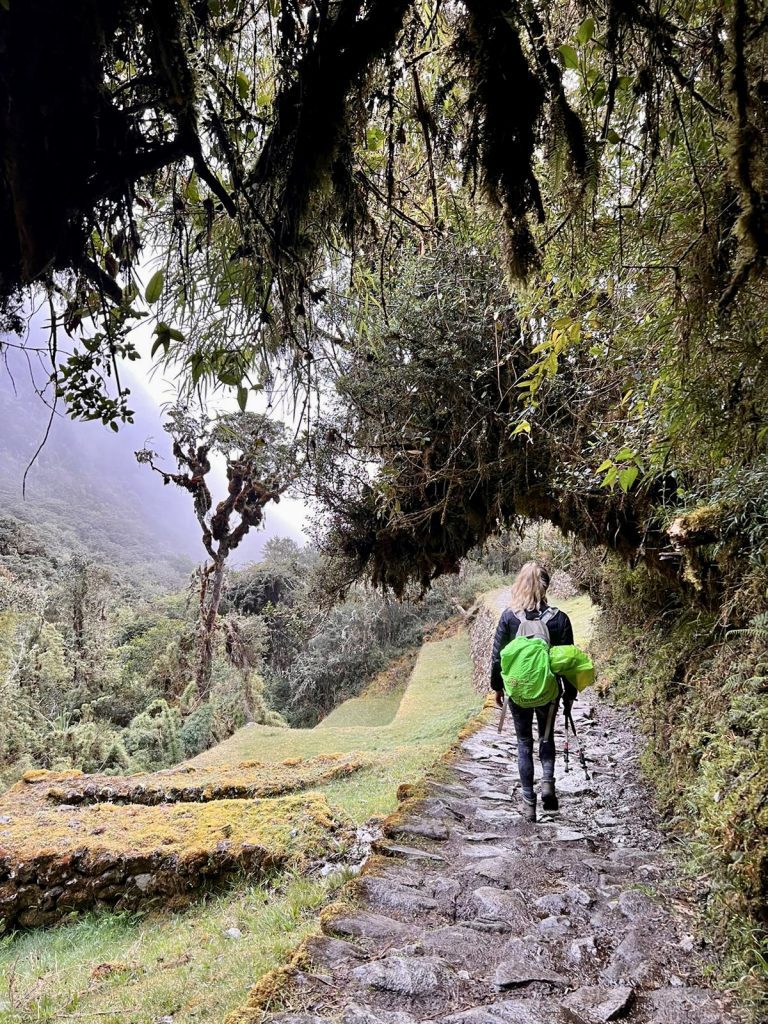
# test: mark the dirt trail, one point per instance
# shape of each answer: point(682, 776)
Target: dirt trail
point(470, 914)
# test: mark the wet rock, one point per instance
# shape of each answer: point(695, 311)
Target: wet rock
point(552, 903)
point(597, 1004)
point(366, 925)
point(511, 974)
point(331, 953)
point(499, 905)
point(423, 828)
point(686, 1005)
point(479, 850)
point(386, 893)
point(296, 1018)
point(554, 927)
point(636, 958)
point(582, 949)
point(636, 906)
point(405, 975)
point(398, 850)
point(456, 944)
point(356, 1013)
point(483, 837)
point(506, 1011)
point(500, 870)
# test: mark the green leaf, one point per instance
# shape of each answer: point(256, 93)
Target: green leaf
point(627, 477)
point(585, 31)
point(155, 287)
point(610, 477)
point(243, 85)
point(522, 428)
point(242, 397)
point(623, 454)
point(197, 363)
point(570, 56)
point(613, 136)
point(604, 465)
point(114, 426)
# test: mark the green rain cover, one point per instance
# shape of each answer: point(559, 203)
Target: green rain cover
point(568, 661)
point(528, 679)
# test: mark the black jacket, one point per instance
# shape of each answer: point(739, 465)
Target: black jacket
point(560, 631)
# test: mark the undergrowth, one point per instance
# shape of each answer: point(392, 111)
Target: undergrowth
point(700, 692)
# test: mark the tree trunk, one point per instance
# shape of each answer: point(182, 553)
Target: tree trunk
point(210, 599)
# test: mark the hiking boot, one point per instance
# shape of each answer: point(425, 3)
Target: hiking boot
point(549, 799)
point(528, 807)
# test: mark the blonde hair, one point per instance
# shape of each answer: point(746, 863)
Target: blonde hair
point(529, 590)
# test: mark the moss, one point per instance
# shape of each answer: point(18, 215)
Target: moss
point(702, 704)
point(186, 783)
point(292, 828)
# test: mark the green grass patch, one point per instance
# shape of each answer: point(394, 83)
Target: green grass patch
point(124, 969)
point(367, 712)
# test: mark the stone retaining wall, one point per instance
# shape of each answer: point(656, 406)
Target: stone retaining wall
point(55, 860)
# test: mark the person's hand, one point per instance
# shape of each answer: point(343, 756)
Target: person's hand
point(499, 699)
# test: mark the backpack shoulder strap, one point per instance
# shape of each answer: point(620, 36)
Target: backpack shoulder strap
point(548, 614)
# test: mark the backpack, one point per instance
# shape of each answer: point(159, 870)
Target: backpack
point(528, 679)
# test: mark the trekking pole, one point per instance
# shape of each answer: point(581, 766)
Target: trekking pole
point(503, 714)
point(566, 748)
point(582, 754)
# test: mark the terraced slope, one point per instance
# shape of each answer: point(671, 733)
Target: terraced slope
point(471, 915)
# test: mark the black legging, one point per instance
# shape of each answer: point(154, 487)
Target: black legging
point(523, 719)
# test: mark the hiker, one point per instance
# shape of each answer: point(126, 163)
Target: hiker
point(529, 615)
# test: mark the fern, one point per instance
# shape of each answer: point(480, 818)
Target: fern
point(757, 631)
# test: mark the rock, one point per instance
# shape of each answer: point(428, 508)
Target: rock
point(554, 927)
point(685, 1005)
point(479, 850)
point(456, 944)
point(637, 957)
point(499, 869)
point(405, 975)
point(597, 1004)
point(499, 905)
point(552, 903)
point(5, 819)
point(355, 1013)
point(512, 974)
point(233, 933)
point(387, 893)
point(397, 850)
point(582, 949)
point(296, 1018)
point(522, 1011)
point(424, 828)
point(142, 882)
point(636, 906)
point(331, 953)
point(483, 837)
point(365, 925)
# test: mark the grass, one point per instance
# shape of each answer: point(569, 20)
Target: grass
point(118, 968)
point(136, 969)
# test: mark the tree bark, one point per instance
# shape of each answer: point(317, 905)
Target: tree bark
point(210, 599)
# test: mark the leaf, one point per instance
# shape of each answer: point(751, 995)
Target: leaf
point(522, 428)
point(623, 454)
point(155, 287)
point(243, 85)
point(604, 465)
point(627, 477)
point(570, 56)
point(197, 363)
point(114, 426)
point(610, 477)
point(242, 397)
point(613, 136)
point(585, 31)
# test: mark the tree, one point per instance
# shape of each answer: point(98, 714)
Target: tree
point(261, 464)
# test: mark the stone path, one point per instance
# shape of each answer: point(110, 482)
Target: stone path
point(470, 914)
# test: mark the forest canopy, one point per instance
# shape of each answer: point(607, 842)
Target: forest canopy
point(544, 223)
